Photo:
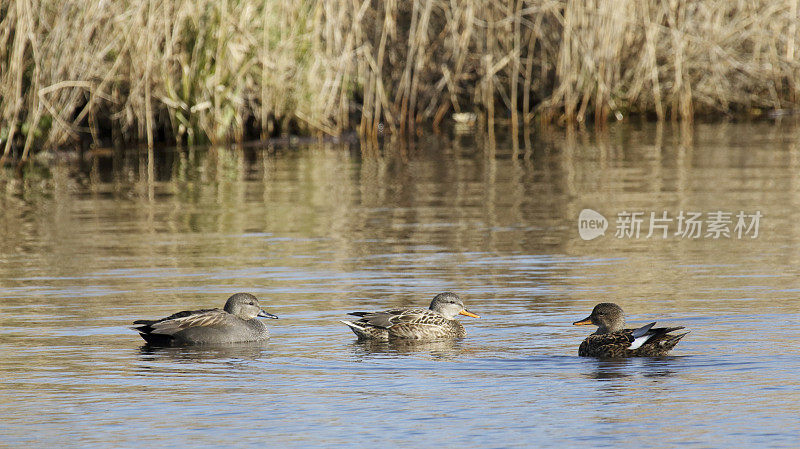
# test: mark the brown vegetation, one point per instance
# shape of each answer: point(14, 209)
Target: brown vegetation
point(202, 70)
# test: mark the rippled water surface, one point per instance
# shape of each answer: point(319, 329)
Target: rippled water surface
point(318, 231)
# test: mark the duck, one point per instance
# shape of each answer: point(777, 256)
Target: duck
point(235, 323)
point(612, 340)
point(437, 322)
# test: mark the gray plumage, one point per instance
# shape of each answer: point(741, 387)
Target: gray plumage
point(235, 323)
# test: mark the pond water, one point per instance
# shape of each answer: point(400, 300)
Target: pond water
point(317, 231)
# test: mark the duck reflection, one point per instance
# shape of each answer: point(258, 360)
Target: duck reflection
point(444, 349)
point(605, 369)
point(242, 351)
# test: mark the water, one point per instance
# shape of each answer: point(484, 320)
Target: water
point(319, 231)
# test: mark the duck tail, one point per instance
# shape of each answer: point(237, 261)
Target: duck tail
point(143, 326)
point(145, 330)
point(671, 340)
point(360, 331)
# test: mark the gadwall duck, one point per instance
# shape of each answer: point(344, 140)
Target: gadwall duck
point(235, 323)
point(614, 341)
point(417, 323)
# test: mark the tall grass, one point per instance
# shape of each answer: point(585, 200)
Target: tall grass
point(220, 70)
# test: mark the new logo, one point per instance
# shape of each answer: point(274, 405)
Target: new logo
point(591, 224)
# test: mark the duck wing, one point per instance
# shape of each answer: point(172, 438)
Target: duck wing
point(656, 341)
point(181, 321)
point(389, 318)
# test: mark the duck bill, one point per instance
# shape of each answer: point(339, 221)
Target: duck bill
point(266, 314)
point(466, 312)
point(584, 322)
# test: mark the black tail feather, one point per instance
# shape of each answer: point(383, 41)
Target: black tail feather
point(145, 329)
point(674, 339)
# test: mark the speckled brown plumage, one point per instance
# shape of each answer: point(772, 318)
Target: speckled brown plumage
point(613, 341)
point(416, 323)
point(616, 344)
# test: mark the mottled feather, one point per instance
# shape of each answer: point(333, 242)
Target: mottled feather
point(413, 323)
point(612, 340)
point(617, 344)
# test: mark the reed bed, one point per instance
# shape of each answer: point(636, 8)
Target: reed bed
point(193, 71)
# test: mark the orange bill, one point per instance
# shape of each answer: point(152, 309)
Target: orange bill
point(468, 313)
point(583, 322)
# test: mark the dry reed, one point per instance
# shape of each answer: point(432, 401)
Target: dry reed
point(223, 70)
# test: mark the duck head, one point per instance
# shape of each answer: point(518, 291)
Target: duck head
point(246, 307)
point(607, 316)
point(449, 305)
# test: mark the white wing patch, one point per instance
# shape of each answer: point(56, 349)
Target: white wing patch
point(638, 342)
point(641, 336)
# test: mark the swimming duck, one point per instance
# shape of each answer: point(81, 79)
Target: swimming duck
point(612, 340)
point(235, 323)
point(417, 323)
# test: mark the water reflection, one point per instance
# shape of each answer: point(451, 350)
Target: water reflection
point(192, 354)
point(651, 367)
point(442, 349)
point(321, 230)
